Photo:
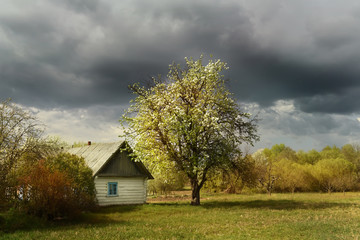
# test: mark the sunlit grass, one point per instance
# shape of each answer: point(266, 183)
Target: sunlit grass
point(221, 216)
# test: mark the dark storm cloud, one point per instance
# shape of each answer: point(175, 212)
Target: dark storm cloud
point(316, 87)
point(80, 53)
point(343, 102)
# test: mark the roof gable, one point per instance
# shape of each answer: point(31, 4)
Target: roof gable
point(120, 164)
point(107, 159)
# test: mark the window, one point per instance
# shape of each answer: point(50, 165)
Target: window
point(112, 189)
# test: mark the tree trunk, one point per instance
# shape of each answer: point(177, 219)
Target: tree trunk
point(195, 195)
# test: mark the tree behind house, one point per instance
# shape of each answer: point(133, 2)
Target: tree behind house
point(20, 133)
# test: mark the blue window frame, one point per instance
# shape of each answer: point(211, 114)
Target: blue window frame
point(112, 189)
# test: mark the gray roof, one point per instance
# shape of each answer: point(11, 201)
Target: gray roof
point(96, 155)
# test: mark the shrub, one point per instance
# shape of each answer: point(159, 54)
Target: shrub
point(60, 186)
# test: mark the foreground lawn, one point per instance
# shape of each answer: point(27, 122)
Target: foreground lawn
point(281, 216)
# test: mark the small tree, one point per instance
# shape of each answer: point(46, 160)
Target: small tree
point(19, 135)
point(41, 191)
point(335, 174)
point(191, 121)
point(293, 176)
point(351, 152)
point(265, 169)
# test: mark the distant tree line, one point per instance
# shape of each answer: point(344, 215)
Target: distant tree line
point(281, 169)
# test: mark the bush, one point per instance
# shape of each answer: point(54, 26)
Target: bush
point(61, 186)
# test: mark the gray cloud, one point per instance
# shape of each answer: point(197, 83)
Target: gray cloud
point(266, 79)
point(96, 123)
point(285, 123)
point(79, 54)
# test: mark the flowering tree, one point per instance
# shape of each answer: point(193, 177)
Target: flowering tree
point(190, 122)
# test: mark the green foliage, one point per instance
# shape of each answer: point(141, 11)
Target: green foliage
point(265, 168)
point(78, 171)
point(234, 176)
point(331, 152)
point(284, 170)
point(190, 122)
point(293, 176)
point(351, 152)
point(165, 183)
point(281, 169)
point(335, 174)
point(310, 157)
point(166, 178)
point(60, 186)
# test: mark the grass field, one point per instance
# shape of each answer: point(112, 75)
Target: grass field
point(221, 216)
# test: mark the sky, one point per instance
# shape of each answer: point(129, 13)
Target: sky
point(294, 64)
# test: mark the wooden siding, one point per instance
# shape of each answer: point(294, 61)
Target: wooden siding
point(130, 190)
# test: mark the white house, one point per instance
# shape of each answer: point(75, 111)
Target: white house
point(118, 179)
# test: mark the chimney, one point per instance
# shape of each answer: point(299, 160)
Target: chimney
point(89, 143)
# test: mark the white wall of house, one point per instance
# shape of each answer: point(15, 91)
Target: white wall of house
point(129, 190)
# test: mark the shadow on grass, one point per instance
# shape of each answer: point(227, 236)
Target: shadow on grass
point(101, 216)
point(117, 209)
point(104, 216)
point(273, 204)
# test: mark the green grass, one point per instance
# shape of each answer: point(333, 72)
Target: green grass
point(281, 216)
